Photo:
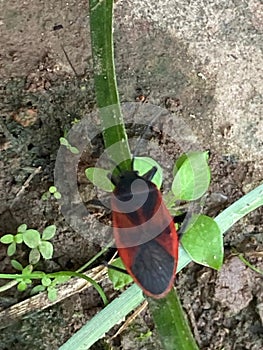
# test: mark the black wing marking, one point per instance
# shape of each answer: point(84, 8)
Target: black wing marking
point(153, 267)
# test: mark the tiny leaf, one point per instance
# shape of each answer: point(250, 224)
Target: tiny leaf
point(22, 286)
point(32, 238)
point(16, 265)
point(49, 232)
point(46, 281)
point(52, 293)
point(45, 196)
point(34, 256)
point(46, 249)
point(22, 228)
point(7, 239)
point(27, 270)
point(37, 289)
point(19, 238)
point(119, 279)
point(57, 195)
point(73, 150)
point(52, 189)
point(203, 241)
point(63, 141)
point(11, 249)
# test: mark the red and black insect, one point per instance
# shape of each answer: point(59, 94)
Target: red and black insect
point(144, 232)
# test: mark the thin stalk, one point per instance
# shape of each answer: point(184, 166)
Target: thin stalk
point(107, 96)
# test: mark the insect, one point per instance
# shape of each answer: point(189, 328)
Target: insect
point(144, 232)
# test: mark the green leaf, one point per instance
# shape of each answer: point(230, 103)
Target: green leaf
point(119, 279)
point(57, 195)
point(99, 178)
point(11, 249)
point(7, 239)
point(34, 256)
point(22, 228)
point(37, 289)
point(27, 270)
point(22, 286)
point(46, 281)
point(32, 238)
point(52, 293)
point(45, 196)
point(16, 265)
point(52, 189)
point(49, 232)
point(203, 241)
point(46, 249)
point(73, 150)
point(19, 238)
point(192, 176)
point(144, 164)
point(63, 141)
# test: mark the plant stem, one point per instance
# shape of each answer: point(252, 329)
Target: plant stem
point(105, 83)
point(171, 323)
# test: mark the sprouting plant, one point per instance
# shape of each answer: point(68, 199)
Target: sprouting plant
point(52, 191)
point(39, 243)
point(40, 247)
point(63, 141)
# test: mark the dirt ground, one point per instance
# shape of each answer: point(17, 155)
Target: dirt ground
point(200, 60)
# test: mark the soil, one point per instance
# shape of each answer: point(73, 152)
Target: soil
point(200, 73)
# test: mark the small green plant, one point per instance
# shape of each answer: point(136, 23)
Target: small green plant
point(40, 247)
point(52, 191)
point(63, 141)
point(47, 283)
point(39, 243)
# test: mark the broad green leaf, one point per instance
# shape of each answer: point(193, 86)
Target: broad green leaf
point(119, 279)
point(49, 232)
point(99, 178)
point(34, 256)
point(203, 241)
point(19, 238)
point(192, 176)
point(22, 228)
point(11, 249)
point(144, 164)
point(7, 239)
point(32, 238)
point(46, 249)
point(16, 265)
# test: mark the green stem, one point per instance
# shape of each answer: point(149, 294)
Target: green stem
point(171, 323)
point(40, 275)
point(107, 97)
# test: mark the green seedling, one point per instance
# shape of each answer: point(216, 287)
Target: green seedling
point(63, 141)
point(52, 191)
point(39, 243)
